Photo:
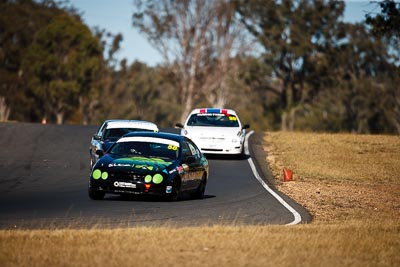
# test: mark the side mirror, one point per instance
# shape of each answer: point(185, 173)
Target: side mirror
point(246, 126)
point(100, 152)
point(179, 125)
point(96, 137)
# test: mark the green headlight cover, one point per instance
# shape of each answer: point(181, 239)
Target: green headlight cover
point(147, 179)
point(157, 178)
point(96, 174)
point(104, 175)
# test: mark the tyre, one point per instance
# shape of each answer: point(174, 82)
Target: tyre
point(96, 195)
point(239, 156)
point(242, 155)
point(199, 194)
point(176, 187)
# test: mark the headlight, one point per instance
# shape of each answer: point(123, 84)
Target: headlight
point(148, 178)
point(234, 140)
point(156, 178)
point(97, 174)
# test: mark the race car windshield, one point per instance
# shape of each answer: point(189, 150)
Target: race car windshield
point(145, 149)
point(213, 120)
point(114, 134)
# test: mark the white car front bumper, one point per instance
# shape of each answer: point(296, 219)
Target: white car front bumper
point(219, 145)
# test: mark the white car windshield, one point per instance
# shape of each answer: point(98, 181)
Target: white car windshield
point(213, 120)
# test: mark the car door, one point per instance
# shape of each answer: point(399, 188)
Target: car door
point(185, 166)
point(195, 166)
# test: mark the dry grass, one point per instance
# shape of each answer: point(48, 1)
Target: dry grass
point(339, 176)
point(307, 245)
point(340, 157)
point(350, 184)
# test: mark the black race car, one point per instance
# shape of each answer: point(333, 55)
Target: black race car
point(148, 163)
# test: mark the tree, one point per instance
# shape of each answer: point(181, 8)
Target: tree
point(388, 21)
point(62, 62)
point(195, 38)
point(19, 21)
point(291, 33)
point(226, 37)
point(49, 62)
point(386, 25)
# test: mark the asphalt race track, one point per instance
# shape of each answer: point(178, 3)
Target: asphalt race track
point(44, 172)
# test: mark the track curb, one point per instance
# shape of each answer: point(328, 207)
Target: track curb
point(256, 151)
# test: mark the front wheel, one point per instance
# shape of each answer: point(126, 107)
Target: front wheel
point(199, 194)
point(176, 187)
point(96, 195)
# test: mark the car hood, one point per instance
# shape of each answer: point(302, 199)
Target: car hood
point(139, 164)
point(216, 132)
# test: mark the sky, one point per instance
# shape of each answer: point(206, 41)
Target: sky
point(115, 17)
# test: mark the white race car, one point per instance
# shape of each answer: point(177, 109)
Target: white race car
point(215, 131)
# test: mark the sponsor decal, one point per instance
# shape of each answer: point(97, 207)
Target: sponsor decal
point(119, 165)
point(185, 167)
point(211, 114)
point(143, 167)
point(180, 169)
point(168, 189)
point(124, 184)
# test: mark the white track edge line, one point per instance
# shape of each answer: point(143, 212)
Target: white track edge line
point(297, 217)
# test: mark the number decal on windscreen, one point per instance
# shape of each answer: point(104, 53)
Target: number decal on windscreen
point(172, 147)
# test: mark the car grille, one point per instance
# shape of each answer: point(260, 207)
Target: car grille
point(211, 149)
point(127, 176)
point(212, 138)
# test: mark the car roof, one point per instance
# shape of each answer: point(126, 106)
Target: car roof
point(111, 124)
point(162, 135)
point(213, 110)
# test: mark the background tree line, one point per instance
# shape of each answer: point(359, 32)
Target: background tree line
point(289, 64)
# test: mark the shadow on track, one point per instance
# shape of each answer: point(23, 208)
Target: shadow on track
point(141, 198)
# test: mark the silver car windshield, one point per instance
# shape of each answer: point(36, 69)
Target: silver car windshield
point(114, 134)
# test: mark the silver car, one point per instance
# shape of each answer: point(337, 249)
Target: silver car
point(111, 130)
